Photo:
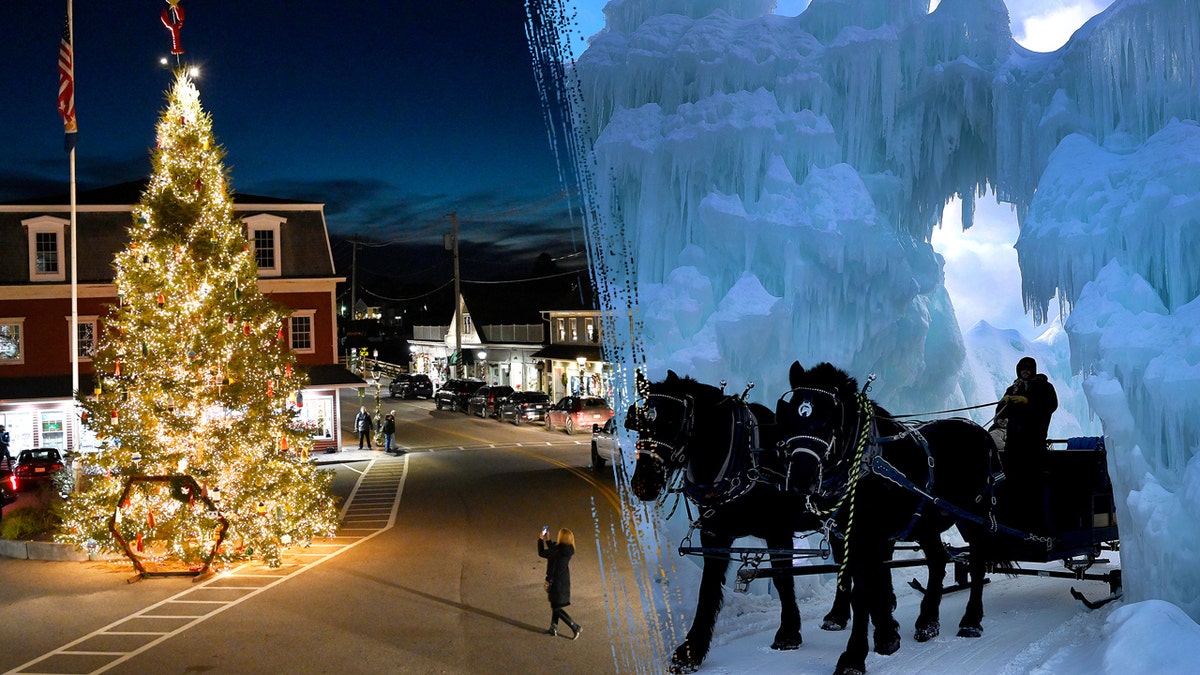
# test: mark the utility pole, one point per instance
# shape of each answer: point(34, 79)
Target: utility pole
point(452, 245)
point(353, 277)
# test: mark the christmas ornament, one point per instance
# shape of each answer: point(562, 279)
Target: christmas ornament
point(161, 300)
point(150, 519)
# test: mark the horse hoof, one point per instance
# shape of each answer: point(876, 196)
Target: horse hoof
point(684, 660)
point(888, 646)
point(927, 633)
point(970, 631)
point(849, 670)
point(788, 643)
point(833, 624)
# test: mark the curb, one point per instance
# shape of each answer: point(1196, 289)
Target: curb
point(45, 550)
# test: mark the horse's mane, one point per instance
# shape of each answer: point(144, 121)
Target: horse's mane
point(829, 377)
point(690, 385)
point(825, 375)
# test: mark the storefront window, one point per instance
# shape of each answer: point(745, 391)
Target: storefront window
point(53, 433)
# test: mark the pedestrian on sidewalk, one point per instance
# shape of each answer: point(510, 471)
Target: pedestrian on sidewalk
point(389, 430)
point(4, 441)
point(363, 425)
point(558, 576)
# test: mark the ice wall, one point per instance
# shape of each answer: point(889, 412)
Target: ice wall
point(804, 160)
point(760, 189)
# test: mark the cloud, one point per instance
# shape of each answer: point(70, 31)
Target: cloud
point(1045, 26)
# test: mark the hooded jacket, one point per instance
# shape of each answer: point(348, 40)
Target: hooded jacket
point(1028, 421)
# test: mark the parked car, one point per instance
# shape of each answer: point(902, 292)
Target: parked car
point(396, 386)
point(455, 392)
point(524, 406)
point(577, 412)
point(8, 488)
point(36, 466)
point(604, 444)
point(417, 385)
point(485, 400)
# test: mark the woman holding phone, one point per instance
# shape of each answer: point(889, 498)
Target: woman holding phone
point(558, 576)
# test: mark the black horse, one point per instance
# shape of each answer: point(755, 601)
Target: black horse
point(717, 441)
point(881, 481)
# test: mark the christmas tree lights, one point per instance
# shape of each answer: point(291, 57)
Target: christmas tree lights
point(194, 376)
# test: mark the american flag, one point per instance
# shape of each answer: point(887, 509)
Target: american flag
point(66, 83)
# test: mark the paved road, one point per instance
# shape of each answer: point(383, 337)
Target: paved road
point(434, 571)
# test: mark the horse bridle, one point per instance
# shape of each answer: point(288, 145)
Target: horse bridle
point(639, 416)
point(827, 443)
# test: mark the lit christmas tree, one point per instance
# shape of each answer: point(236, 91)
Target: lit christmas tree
point(194, 377)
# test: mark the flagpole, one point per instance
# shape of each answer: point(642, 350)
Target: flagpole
point(74, 332)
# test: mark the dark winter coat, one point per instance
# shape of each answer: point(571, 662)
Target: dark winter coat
point(1027, 422)
point(389, 425)
point(362, 423)
point(558, 571)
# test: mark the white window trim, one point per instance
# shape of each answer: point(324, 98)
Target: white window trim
point(312, 331)
point(267, 221)
point(57, 227)
point(80, 320)
point(18, 321)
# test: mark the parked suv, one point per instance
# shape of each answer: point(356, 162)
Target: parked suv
point(416, 385)
point(396, 386)
point(454, 394)
point(577, 412)
point(524, 406)
point(486, 400)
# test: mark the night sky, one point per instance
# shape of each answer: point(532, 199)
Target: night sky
point(391, 114)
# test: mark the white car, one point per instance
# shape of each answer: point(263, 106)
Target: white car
point(604, 444)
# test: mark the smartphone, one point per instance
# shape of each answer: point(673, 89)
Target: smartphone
point(545, 530)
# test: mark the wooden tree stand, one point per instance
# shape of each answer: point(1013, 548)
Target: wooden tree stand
point(189, 492)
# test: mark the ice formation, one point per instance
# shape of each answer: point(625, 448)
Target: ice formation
point(761, 188)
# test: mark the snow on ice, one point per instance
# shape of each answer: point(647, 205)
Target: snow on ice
point(762, 188)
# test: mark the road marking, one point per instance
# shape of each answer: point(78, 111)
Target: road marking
point(391, 472)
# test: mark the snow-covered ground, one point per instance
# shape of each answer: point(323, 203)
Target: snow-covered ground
point(1032, 625)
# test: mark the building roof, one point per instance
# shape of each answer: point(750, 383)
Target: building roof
point(522, 302)
point(103, 217)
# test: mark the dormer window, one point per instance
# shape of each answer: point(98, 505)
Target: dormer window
point(262, 232)
point(47, 253)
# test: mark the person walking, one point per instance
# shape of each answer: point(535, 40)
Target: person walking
point(363, 425)
point(4, 441)
point(558, 576)
point(389, 430)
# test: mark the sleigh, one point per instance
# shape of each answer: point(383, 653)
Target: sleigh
point(1069, 517)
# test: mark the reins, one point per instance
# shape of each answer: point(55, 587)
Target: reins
point(943, 412)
